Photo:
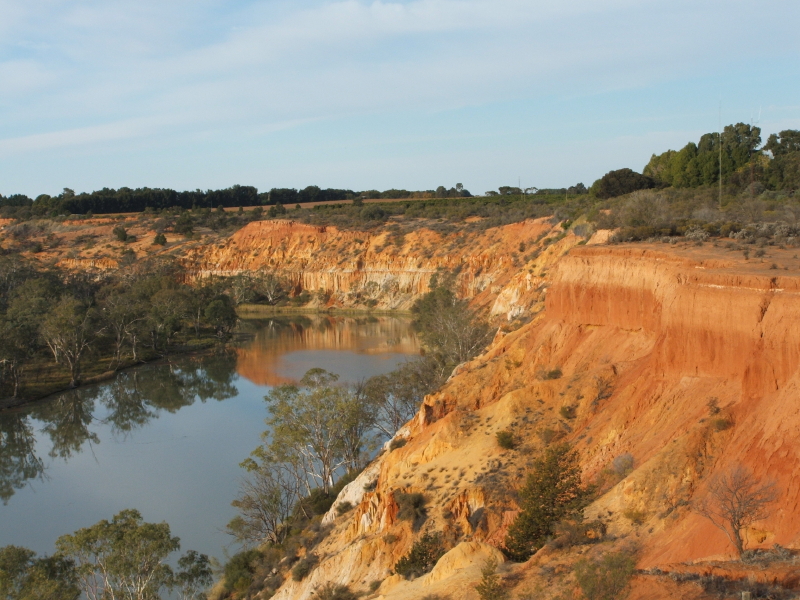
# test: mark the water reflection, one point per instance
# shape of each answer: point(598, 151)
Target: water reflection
point(261, 359)
point(129, 402)
point(160, 438)
point(67, 419)
point(18, 460)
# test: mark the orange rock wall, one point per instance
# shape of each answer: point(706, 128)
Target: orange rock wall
point(357, 266)
point(644, 338)
point(709, 331)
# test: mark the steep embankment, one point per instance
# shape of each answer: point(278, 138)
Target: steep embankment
point(386, 268)
point(645, 339)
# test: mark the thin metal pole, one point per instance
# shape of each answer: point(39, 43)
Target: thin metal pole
point(719, 141)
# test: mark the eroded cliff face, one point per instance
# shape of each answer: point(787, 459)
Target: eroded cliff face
point(384, 269)
point(646, 340)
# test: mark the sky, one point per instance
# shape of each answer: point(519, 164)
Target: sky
point(413, 94)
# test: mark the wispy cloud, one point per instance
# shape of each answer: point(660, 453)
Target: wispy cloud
point(99, 71)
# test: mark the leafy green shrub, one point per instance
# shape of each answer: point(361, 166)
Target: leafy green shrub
point(318, 502)
point(491, 587)
point(333, 591)
point(424, 555)
point(721, 424)
point(397, 443)
point(506, 440)
point(620, 182)
point(567, 412)
point(301, 299)
point(373, 212)
point(120, 233)
point(637, 517)
point(304, 567)
point(160, 240)
point(239, 570)
point(623, 464)
point(412, 508)
point(554, 374)
point(552, 493)
point(276, 210)
point(606, 578)
point(344, 507)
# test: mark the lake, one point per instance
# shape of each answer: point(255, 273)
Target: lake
point(167, 438)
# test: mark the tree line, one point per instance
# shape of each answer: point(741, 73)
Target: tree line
point(124, 200)
point(140, 312)
point(736, 155)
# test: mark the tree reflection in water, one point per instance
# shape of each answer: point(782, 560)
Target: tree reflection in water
point(67, 418)
point(128, 402)
point(18, 460)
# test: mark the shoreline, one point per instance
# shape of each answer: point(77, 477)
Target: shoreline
point(245, 312)
point(7, 404)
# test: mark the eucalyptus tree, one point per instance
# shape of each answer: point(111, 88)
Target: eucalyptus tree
point(69, 329)
point(221, 314)
point(395, 398)
point(449, 329)
point(15, 348)
point(168, 307)
point(124, 558)
point(121, 559)
point(266, 500)
point(121, 311)
point(307, 424)
point(271, 286)
point(194, 577)
point(24, 576)
point(317, 430)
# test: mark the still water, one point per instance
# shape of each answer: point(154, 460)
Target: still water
point(167, 438)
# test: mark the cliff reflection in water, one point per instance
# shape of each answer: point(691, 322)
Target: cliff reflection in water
point(129, 402)
point(262, 359)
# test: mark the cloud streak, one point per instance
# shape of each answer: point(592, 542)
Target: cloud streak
point(100, 72)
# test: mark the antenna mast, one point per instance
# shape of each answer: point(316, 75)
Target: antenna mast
point(719, 142)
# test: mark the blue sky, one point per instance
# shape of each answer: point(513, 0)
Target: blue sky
point(410, 94)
